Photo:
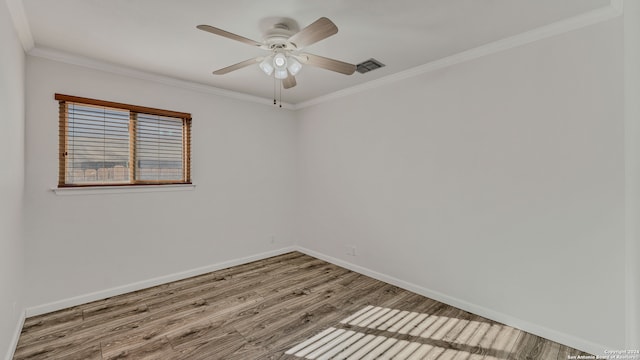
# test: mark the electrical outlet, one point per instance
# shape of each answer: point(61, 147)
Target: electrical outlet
point(351, 250)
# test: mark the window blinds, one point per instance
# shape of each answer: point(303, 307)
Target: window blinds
point(159, 148)
point(97, 145)
point(106, 143)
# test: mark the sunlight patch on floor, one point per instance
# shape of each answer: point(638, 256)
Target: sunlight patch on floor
point(382, 333)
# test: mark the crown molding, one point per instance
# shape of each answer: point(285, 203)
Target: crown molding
point(21, 23)
point(68, 58)
point(613, 10)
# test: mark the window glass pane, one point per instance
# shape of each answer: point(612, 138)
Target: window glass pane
point(159, 148)
point(97, 145)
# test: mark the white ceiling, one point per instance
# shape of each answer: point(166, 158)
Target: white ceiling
point(160, 36)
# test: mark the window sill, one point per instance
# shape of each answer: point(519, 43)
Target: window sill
point(95, 190)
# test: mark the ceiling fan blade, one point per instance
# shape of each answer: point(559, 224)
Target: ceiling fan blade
point(316, 31)
point(329, 64)
point(289, 81)
point(237, 66)
point(232, 36)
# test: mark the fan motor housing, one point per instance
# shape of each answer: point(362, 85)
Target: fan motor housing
point(278, 38)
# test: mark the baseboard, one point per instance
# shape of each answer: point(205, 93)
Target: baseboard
point(529, 327)
point(16, 336)
point(119, 290)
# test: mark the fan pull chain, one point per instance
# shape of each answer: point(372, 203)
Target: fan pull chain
point(274, 90)
point(280, 93)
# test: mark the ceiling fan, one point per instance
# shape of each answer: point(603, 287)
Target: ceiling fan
point(285, 59)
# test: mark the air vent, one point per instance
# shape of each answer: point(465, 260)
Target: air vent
point(368, 65)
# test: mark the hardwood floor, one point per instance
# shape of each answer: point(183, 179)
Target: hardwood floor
point(287, 307)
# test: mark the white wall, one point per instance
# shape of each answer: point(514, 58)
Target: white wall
point(243, 166)
point(632, 132)
point(498, 183)
point(12, 72)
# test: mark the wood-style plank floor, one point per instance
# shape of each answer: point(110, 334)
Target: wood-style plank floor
point(287, 307)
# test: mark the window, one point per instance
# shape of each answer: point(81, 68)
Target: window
point(107, 143)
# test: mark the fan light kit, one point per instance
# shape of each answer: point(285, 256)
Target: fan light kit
point(286, 60)
point(280, 63)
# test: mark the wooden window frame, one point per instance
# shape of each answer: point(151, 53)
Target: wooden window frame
point(64, 100)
